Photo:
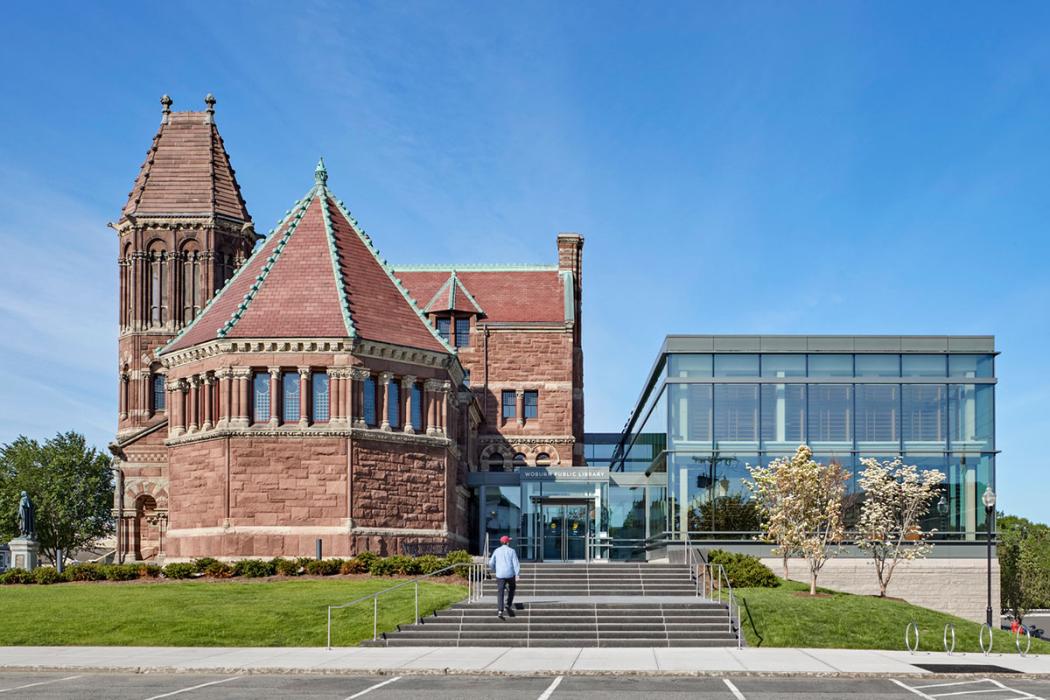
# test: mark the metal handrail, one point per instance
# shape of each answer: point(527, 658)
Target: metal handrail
point(475, 589)
point(718, 579)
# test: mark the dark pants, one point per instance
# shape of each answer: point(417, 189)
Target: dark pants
point(509, 583)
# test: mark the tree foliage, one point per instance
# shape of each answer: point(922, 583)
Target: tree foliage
point(896, 498)
point(69, 483)
point(1024, 564)
point(800, 502)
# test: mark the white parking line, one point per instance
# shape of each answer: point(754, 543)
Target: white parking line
point(912, 690)
point(374, 687)
point(195, 687)
point(999, 688)
point(550, 689)
point(33, 685)
point(733, 689)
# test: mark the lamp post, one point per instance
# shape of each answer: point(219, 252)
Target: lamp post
point(989, 509)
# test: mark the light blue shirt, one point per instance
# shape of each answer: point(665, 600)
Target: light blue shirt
point(504, 561)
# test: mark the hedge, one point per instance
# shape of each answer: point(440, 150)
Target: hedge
point(744, 570)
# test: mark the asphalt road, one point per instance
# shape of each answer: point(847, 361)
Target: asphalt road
point(192, 686)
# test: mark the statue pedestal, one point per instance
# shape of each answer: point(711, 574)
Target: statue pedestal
point(24, 553)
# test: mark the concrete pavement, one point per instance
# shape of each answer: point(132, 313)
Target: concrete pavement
point(507, 661)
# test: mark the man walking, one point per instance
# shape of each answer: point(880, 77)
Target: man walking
point(504, 561)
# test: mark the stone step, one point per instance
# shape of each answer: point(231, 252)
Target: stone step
point(564, 642)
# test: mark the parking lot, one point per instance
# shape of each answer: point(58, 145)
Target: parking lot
point(192, 686)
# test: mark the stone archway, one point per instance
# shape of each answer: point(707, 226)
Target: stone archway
point(145, 536)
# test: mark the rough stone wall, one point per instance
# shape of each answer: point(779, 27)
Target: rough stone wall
point(197, 488)
point(955, 586)
point(400, 486)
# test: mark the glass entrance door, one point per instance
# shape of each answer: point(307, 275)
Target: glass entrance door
point(565, 530)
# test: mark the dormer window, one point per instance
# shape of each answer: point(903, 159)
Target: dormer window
point(444, 326)
point(462, 332)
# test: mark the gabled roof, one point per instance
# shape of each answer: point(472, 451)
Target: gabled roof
point(507, 293)
point(316, 275)
point(453, 296)
point(187, 171)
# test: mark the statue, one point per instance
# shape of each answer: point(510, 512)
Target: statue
point(26, 517)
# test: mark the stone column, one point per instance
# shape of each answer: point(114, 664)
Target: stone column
point(225, 396)
point(304, 397)
point(242, 376)
point(176, 390)
point(191, 414)
point(123, 396)
point(355, 399)
point(407, 383)
point(334, 393)
point(430, 389)
point(519, 404)
point(446, 403)
point(275, 387)
point(209, 399)
point(384, 391)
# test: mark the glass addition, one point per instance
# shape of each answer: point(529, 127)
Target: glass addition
point(783, 416)
point(261, 397)
point(290, 395)
point(689, 366)
point(830, 417)
point(691, 415)
point(783, 365)
point(320, 400)
point(878, 365)
point(736, 416)
point(924, 366)
point(970, 366)
point(626, 521)
point(878, 417)
point(971, 417)
point(736, 365)
point(831, 365)
point(924, 410)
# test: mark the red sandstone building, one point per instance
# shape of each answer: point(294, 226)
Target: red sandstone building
point(282, 389)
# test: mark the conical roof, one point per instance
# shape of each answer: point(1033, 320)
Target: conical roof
point(316, 275)
point(187, 171)
point(453, 296)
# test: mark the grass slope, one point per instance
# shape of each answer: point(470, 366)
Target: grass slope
point(846, 621)
point(208, 613)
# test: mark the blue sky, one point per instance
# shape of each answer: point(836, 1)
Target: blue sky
point(735, 167)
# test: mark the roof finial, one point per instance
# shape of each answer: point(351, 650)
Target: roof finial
point(320, 174)
point(165, 103)
point(209, 100)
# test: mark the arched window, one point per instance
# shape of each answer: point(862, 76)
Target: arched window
point(543, 460)
point(495, 462)
point(369, 390)
point(158, 285)
point(191, 283)
point(261, 397)
point(126, 308)
point(159, 393)
point(519, 460)
point(290, 391)
point(226, 270)
point(319, 387)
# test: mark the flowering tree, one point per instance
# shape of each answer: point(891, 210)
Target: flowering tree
point(800, 501)
point(896, 497)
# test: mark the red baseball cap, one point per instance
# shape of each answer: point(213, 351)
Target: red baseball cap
point(504, 540)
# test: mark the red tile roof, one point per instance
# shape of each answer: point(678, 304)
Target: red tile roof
point(316, 276)
point(506, 295)
point(187, 171)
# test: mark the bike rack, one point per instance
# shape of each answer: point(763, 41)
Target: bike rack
point(1017, 641)
point(980, 638)
point(908, 637)
point(951, 649)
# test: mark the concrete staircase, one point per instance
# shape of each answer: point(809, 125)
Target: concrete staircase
point(582, 605)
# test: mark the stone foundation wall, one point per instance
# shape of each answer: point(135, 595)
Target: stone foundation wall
point(955, 586)
point(400, 486)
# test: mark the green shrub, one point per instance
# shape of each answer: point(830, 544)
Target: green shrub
point(86, 572)
point(324, 567)
point(254, 568)
point(178, 570)
point(460, 556)
point(744, 570)
point(354, 566)
point(429, 563)
point(286, 567)
point(121, 572)
point(12, 576)
point(149, 570)
point(200, 565)
point(367, 558)
point(382, 567)
point(45, 575)
point(218, 569)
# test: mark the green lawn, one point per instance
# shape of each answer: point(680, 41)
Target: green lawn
point(847, 621)
point(209, 613)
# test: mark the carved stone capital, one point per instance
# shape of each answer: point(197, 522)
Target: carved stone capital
point(385, 377)
point(407, 381)
point(223, 373)
point(360, 373)
point(304, 371)
point(275, 372)
point(241, 373)
point(433, 385)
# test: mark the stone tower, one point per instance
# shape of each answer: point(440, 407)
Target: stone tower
point(184, 231)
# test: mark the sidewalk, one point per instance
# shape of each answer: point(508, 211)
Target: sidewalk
point(503, 660)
